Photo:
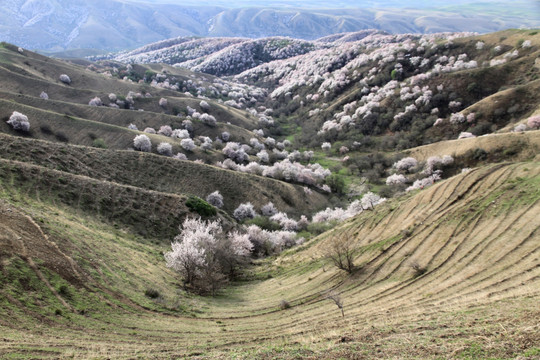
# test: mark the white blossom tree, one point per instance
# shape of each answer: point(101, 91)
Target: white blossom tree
point(215, 199)
point(188, 144)
point(65, 79)
point(164, 148)
point(19, 121)
point(142, 143)
point(244, 211)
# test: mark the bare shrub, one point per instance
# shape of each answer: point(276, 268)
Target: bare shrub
point(419, 270)
point(340, 252)
point(336, 298)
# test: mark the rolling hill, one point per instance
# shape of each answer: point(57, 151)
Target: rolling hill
point(444, 262)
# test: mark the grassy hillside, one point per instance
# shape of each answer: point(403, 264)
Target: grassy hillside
point(156, 173)
point(74, 287)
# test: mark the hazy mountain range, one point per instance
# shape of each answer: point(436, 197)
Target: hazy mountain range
point(57, 25)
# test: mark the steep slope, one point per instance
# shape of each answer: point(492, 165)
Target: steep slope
point(474, 238)
point(402, 91)
point(148, 172)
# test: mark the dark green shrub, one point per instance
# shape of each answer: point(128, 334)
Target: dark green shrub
point(148, 75)
point(479, 154)
point(99, 143)
point(336, 183)
point(46, 129)
point(201, 207)
point(152, 293)
point(63, 290)
point(60, 136)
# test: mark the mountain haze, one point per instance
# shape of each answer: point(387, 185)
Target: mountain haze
point(57, 25)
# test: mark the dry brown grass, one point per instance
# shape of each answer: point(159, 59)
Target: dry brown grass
point(530, 145)
point(476, 235)
point(153, 172)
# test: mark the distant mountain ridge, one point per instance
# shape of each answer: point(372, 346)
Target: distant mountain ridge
point(57, 25)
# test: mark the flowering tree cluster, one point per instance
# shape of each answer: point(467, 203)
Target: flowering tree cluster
point(205, 256)
point(244, 211)
point(312, 174)
point(269, 242)
point(368, 201)
point(247, 54)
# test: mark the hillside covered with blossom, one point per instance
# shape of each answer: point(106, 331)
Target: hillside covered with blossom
point(229, 197)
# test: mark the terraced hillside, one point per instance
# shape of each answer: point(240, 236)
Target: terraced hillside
point(450, 271)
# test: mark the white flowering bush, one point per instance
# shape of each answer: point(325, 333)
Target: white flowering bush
point(19, 122)
point(423, 183)
point(208, 120)
point(406, 164)
point(142, 143)
point(95, 102)
point(165, 130)
point(180, 134)
point(534, 122)
point(326, 146)
point(466, 135)
point(215, 199)
point(235, 152)
point(204, 105)
point(164, 148)
point(188, 144)
point(269, 209)
point(180, 156)
point(396, 179)
point(65, 79)
point(244, 211)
